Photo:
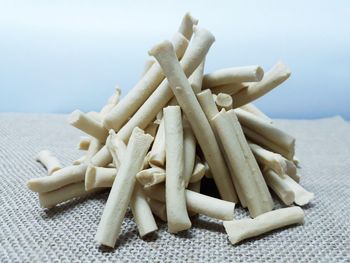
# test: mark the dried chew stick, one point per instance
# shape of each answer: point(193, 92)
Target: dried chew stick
point(119, 197)
point(65, 176)
point(243, 164)
point(88, 125)
point(165, 55)
point(151, 176)
point(230, 89)
point(177, 216)
point(271, 160)
point(193, 57)
point(141, 211)
point(265, 129)
point(233, 75)
point(84, 143)
point(157, 153)
point(198, 203)
point(274, 77)
point(239, 230)
point(223, 101)
point(250, 107)
point(206, 100)
point(186, 26)
point(68, 192)
point(189, 145)
point(50, 162)
point(142, 90)
point(99, 177)
point(158, 208)
point(279, 186)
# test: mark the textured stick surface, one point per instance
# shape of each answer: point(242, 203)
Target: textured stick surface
point(66, 232)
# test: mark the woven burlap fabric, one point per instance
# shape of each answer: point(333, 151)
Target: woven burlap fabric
point(66, 233)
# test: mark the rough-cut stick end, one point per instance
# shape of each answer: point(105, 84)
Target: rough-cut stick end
point(33, 185)
point(259, 73)
point(200, 30)
point(163, 46)
point(189, 16)
point(90, 177)
point(74, 117)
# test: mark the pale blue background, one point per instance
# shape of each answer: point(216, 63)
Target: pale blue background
point(56, 56)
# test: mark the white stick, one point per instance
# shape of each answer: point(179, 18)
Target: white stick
point(75, 190)
point(99, 177)
point(84, 143)
point(102, 158)
point(157, 153)
point(239, 230)
point(279, 186)
point(111, 103)
point(50, 162)
point(277, 75)
point(60, 178)
point(177, 216)
point(302, 197)
point(230, 89)
point(141, 91)
point(151, 176)
point(196, 52)
point(270, 159)
point(165, 55)
point(119, 197)
point(267, 130)
point(243, 164)
point(250, 107)
point(189, 150)
point(79, 161)
point(148, 64)
point(198, 203)
point(158, 208)
point(233, 75)
point(223, 101)
point(88, 125)
point(186, 26)
point(152, 128)
point(198, 171)
point(94, 146)
point(262, 141)
point(142, 212)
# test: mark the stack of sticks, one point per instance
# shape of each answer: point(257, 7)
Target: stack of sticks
point(176, 126)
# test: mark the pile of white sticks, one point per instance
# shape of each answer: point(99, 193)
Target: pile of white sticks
point(175, 126)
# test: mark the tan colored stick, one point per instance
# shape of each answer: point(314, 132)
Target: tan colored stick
point(267, 130)
point(177, 216)
point(198, 171)
point(239, 230)
point(68, 192)
point(148, 64)
point(152, 129)
point(158, 208)
point(250, 107)
point(94, 146)
point(88, 125)
point(111, 103)
point(142, 212)
point(151, 176)
point(141, 91)
point(189, 150)
point(102, 158)
point(302, 196)
point(231, 88)
point(157, 153)
point(165, 55)
point(196, 78)
point(84, 143)
point(233, 75)
point(79, 161)
point(99, 177)
point(198, 203)
point(277, 75)
point(259, 139)
point(50, 162)
point(269, 159)
point(279, 186)
point(196, 52)
point(207, 103)
point(223, 101)
point(60, 178)
point(122, 189)
point(243, 164)
point(186, 26)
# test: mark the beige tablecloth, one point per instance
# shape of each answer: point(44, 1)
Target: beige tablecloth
point(66, 233)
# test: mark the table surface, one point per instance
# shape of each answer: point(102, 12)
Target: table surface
point(66, 232)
